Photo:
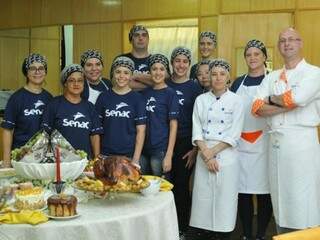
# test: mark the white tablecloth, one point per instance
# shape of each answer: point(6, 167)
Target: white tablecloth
point(124, 217)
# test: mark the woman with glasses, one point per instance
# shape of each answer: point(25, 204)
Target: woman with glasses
point(23, 113)
point(75, 118)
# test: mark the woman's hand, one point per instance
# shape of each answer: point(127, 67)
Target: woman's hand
point(212, 165)
point(207, 154)
point(191, 157)
point(167, 164)
point(136, 163)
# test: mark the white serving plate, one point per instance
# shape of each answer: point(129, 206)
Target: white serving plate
point(46, 212)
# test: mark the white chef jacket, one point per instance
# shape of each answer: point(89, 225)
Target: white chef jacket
point(215, 195)
point(294, 150)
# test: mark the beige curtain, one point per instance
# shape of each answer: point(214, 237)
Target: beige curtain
point(166, 35)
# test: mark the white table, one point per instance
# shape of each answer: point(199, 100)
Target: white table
point(124, 217)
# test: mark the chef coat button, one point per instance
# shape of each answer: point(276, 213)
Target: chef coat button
point(222, 109)
point(219, 133)
point(210, 109)
point(209, 121)
point(207, 132)
point(222, 121)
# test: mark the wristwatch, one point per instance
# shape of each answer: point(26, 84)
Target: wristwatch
point(273, 103)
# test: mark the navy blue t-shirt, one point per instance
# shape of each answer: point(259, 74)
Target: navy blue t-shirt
point(76, 122)
point(23, 114)
point(162, 106)
point(103, 86)
point(187, 93)
point(247, 81)
point(141, 65)
point(120, 114)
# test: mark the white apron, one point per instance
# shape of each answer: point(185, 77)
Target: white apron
point(297, 207)
point(215, 195)
point(94, 94)
point(253, 147)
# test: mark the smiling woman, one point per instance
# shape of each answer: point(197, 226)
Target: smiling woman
point(92, 63)
point(74, 117)
point(123, 114)
point(217, 123)
point(23, 113)
point(253, 144)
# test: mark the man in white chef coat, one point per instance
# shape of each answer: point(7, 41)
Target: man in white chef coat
point(290, 99)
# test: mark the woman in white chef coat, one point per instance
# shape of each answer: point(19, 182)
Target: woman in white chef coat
point(253, 147)
point(217, 124)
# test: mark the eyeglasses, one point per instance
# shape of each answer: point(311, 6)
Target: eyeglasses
point(289, 40)
point(39, 69)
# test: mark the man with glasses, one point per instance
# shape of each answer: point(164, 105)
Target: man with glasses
point(139, 38)
point(289, 98)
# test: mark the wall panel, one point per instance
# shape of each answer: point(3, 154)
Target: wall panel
point(20, 13)
point(84, 11)
point(126, 26)
point(160, 9)
point(13, 51)
point(52, 32)
point(56, 12)
point(307, 26)
point(309, 4)
point(16, 33)
point(209, 7)
point(234, 6)
point(104, 37)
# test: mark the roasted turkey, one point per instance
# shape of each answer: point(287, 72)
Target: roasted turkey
point(113, 169)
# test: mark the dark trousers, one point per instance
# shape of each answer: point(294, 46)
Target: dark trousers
point(180, 176)
point(245, 210)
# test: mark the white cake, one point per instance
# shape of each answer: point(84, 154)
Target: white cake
point(32, 198)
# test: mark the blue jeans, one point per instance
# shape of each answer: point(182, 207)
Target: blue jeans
point(151, 164)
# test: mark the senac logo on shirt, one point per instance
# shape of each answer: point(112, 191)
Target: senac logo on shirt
point(75, 123)
point(181, 100)
point(35, 110)
point(151, 104)
point(142, 68)
point(117, 112)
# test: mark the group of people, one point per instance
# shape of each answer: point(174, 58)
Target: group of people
point(256, 138)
